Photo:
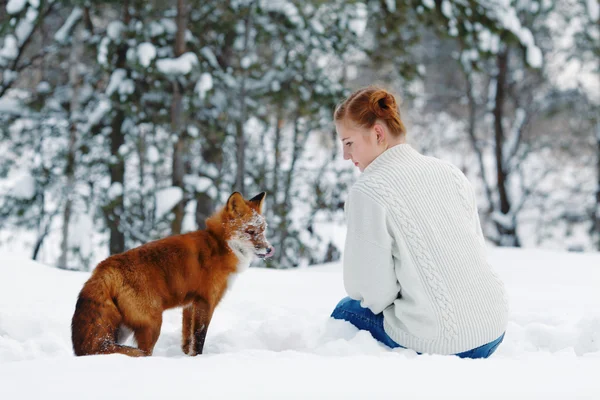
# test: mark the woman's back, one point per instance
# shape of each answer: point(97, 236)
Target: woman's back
point(415, 266)
point(450, 298)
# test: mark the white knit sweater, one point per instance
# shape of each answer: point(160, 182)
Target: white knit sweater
point(415, 251)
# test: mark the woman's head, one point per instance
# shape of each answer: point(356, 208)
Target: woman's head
point(368, 122)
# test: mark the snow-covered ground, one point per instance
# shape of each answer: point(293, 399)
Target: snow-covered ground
point(271, 338)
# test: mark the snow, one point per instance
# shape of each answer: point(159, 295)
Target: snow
point(116, 78)
point(204, 84)
point(114, 30)
point(9, 51)
point(61, 35)
point(534, 55)
point(246, 62)
point(166, 199)
point(169, 25)
point(156, 29)
point(285, 7)
point(569, 67)
point(125, 88)
point(153, 154)
point(270, 340)
point(200, 183)
point(80, 238)
point(509, 20)
point(447, 9)
point(488, 41)
point(193, 131)
point(391, 5)
point(146, 52)
point(9, 76)
point(15, 6)
point(10, 105)
point(23, 187)
point(115, 190)
point(359, 24)
point(101, 109)
point(593, 8)
point(103, 50)
point(181, 65)
point(25, 26)
point(43, 87)
point(208, 54)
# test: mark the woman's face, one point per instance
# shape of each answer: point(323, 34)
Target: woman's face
point(360, 145)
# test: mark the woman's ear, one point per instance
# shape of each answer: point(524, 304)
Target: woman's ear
point(379, 134)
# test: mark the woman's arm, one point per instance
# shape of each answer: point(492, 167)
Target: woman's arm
point(369, 274)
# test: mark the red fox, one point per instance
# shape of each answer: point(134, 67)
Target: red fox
point(128, 292)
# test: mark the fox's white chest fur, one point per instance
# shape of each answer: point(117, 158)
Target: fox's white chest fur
point(244, 257)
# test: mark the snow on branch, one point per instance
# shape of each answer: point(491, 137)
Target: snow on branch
point(62, 34)
point(181, 65)
point(514, 137)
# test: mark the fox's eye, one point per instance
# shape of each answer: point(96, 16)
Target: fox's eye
point(250, 231)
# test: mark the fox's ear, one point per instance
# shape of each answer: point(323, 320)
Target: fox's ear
point(258, 201)
point(236, 204)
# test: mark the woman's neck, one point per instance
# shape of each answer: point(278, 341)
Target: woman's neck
point(396, 141)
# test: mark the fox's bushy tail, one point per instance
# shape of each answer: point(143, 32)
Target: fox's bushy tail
point(96, 322)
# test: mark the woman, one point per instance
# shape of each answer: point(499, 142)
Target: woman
point(415, 267)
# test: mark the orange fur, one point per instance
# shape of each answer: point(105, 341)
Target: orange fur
point(132, 289)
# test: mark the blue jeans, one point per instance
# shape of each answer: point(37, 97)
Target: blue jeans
point(350, 310)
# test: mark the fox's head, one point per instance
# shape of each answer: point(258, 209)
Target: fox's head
point(245, 226)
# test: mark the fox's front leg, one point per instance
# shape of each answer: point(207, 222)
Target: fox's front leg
point(196, 319)
point(203, 312)
point(187, 337)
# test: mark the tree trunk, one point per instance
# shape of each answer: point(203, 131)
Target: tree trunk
point(75, 83)
point(115, 208)
point(240, 138)
point(44, 225)
point(117, 176)
point(285, 206)
point(508, 236)
point(596, 216)
point(204, 208)
point(177, 125)
point(473, 139)
point(276, 165)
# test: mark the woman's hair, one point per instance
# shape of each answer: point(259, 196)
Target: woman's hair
point(367, 105)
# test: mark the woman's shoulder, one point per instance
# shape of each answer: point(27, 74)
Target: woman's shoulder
point(366, 190)
point(386, 180)
point(370, 190)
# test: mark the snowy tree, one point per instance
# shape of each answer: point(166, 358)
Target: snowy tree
point(44, 132)
point(508, 95)
point(587, 52)
point(124, 122)
point(278, 61)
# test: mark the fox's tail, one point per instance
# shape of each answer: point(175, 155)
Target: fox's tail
point(96, 322)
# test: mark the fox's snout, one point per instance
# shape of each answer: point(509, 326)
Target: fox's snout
point(265, 252)
point(262, 247)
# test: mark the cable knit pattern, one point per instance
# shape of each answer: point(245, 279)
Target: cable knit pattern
point(446, 298)
point(421, 254)
point(462, 189)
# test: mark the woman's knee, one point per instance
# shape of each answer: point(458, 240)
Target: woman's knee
point(344, 305)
